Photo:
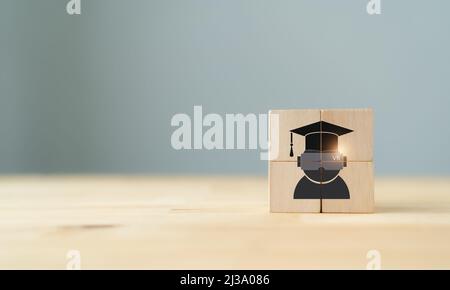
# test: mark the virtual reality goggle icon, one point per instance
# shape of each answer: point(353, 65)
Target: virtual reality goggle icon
point(328, 161)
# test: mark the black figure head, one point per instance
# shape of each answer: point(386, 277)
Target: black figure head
point(321, 160)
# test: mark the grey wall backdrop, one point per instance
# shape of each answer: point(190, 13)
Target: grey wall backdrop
point(96, 92)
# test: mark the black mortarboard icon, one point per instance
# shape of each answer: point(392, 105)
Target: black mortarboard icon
point(320, 136)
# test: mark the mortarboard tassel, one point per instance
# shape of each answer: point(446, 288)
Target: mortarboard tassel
point(292, 151)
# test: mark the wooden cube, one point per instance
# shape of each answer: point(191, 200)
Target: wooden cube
point(280, 124)
point(358, 176)
point(358, 145)
point(284, 177)
point(322, 161)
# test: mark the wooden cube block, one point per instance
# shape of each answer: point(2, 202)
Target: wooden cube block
point(280, 124)
point(283, 178)
point(321, 161)
point(358, 177)
point(358, 145)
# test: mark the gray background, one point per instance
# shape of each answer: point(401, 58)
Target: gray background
point(96, 92)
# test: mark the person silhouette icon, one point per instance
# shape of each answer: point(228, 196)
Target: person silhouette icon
point(321, 162)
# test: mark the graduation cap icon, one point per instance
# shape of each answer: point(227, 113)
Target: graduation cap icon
point(321, 162)
point(320, 136)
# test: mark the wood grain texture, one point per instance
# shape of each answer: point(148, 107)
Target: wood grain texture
point(283, 179)
point(279, 136)
point(359, 179)
point(357, 145)
point(214, 223)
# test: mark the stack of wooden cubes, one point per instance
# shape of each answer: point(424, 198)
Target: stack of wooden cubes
point(357, 146)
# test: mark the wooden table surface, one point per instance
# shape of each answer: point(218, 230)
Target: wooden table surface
point(213, 223)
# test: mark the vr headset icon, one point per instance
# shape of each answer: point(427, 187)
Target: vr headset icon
point(311, 161)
